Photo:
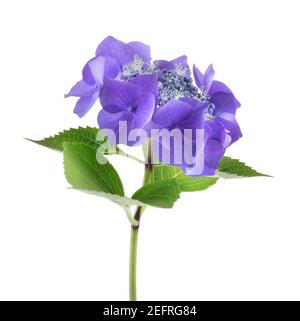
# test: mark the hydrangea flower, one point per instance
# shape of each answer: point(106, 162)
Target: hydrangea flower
point(88, 89)
point(132, 103)
point(219, 123)
point(123, 53)
point(223, 104)
point(188, 123)
point(137, 93)
point(111, 56)
point(178, 122)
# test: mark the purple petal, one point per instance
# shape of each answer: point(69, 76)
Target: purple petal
point(93, 71)
point(150, 125)
point(182, 61)
point(180, 114)
point(207, 162)
point(231, 126)
point(147, 83)
point(208, 77)
point(112, 67)
point(112, 47)
point(171, 113)
point(163, 64)
point(122, 124)
point(199, 77)
point(214, 149)
point(145, 108)
point(195, 119)
point(218, 86)
point(108, 120)
point(81, 88)
point(84, 104)
point(215, 130)
point(141, 49)
point(134, 124)
point(223, 102)
point(194, 102)
point(117, 96)
point(115, 122)
point(213, 152)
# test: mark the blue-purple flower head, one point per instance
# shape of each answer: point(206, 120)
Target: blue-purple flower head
point(161, 97)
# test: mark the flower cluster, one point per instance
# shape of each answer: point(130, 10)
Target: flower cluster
point(160, 96)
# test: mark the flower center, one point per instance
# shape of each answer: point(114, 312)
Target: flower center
point(137, 67)
point(210, 112)
point(176, 83)
point(132, 109)
point(172, 83)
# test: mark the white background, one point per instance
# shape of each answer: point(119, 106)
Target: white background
point(238, 240)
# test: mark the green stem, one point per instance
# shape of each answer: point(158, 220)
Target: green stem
point(132, 262)
point(131, 219)
point(121, 153)
point(135, 232)
point(133, 253)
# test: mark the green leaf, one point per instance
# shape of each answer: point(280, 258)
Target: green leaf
point(123, 201)
point(160, 194)
point(83, 170)
point(195, 184)
point(160, 172)
point(92, 137)
point(185, 183)
point(230, 167)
